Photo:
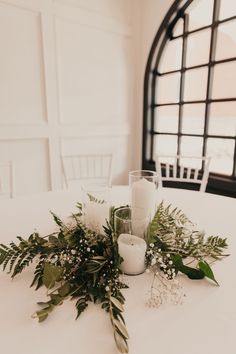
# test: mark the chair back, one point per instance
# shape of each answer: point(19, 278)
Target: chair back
point(6, 180)
point(186, 169)
point(87, 168)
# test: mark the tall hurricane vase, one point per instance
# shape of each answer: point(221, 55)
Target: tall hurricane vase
point(143, 185)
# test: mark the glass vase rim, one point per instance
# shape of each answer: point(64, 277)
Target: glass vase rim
point(123, 208)
point(134, 172)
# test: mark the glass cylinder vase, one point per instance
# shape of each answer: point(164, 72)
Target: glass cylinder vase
point(96, 206)
point(143, 185)
point(131, 248)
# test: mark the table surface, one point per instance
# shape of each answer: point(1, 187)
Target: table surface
point(204, 323)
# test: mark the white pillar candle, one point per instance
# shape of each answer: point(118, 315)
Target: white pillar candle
point(143, 204)
point(132, 249)
point(96, 215)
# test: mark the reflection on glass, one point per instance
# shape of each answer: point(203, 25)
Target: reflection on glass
point(193, 118)
point(191, 146)
point(198, 45)
point(166, 119)
point(222, 119)
point(195, 84)
point(227, 8)
point(200, 13)
point(171, 56)
point(221, 151)
point(168, 88)
point(226, 41)
point(224, 80)
point(166, 145)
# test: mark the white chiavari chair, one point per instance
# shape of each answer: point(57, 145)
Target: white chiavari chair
point(184, 169)
point(87, 168)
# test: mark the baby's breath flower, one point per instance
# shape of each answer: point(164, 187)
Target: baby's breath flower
point(153, 261)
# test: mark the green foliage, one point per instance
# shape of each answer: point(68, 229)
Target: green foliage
point(206, 269)
point(94, 199)
point(73, 263)
point(77, 263)
point(172, 233)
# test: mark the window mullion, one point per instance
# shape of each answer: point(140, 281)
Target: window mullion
point(182, 79)
point(234, 163)
point(212, 54)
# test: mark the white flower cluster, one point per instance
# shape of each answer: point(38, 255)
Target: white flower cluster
point(158, 259)
point(165, 291)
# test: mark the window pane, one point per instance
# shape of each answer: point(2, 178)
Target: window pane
point(195, 84)
point(191, 162)
point(148, 149)
point(224, 80)
point(198, 46)
point(200, 13)
point(179, 28)
point(221, 151)
point(166, 120)
point(167, 89)
point(222, 119)
point(227, 8)
point(191, 146)
point(226, 40)
point(166, 145)
point(171, 56)
point(193, 118)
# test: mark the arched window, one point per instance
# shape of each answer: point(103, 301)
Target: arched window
point(190, 89)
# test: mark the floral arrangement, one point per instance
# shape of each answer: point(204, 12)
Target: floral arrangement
point(78, 263)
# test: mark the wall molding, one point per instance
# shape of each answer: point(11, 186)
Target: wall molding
point(51, 125)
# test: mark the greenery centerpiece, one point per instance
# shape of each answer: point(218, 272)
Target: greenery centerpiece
point(78, 263)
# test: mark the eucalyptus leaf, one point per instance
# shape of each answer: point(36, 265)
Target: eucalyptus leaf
point(51, 274)
point(56, 299)
point(64, 289)
point(42, 315)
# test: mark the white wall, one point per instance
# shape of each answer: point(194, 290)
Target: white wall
point(67, 84)
point(149, 17)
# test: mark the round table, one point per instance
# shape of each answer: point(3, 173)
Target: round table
point(204, 323)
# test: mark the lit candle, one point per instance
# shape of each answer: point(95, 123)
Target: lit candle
point(143, 203)
point(132, 249)
point(96, 215)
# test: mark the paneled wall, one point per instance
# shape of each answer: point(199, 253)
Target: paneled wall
point(67, 80)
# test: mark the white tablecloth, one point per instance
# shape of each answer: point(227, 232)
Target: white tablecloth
point(205, 323)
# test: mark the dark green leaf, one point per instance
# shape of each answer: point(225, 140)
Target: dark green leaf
point(192, 273)
point(206, 269)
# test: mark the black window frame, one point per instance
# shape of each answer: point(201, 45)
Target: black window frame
point(217, 183)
